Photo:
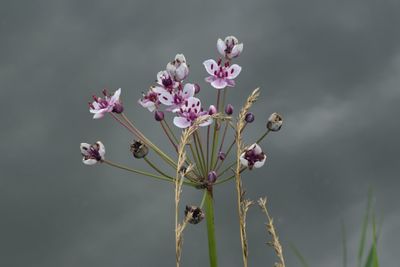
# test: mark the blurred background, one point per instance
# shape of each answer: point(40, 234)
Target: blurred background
point(331, 68)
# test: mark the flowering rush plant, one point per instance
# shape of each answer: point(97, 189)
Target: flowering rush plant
point(203, 157)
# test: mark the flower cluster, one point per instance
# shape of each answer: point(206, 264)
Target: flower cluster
point(209, 161)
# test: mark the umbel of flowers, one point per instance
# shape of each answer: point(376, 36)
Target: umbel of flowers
point(204, 156)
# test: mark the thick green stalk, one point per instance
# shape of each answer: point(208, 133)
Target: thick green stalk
point(212, 247)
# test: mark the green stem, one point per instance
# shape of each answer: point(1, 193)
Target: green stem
point(209, 209)
point(119, 166)
point(262, 137)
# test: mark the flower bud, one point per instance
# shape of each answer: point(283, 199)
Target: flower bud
point(212, 177)
point(139, 150)
point(212, 110)
point(196, 88)
point(194, 214)
point(229, 109)
point(249, 117)
point(159, 115)
point(221, 156)
point(275, 122)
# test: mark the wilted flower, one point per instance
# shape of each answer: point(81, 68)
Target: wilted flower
point(249, 118)
point(111, 103)
point(92, 153)
point(230, 47)
point(253, 157)
point(175, 99)
point(221, 75)
point(150, 100)
point(194, 214)
point(189, 112)
point(139, 150)
point(275, 122)
point(178, 68)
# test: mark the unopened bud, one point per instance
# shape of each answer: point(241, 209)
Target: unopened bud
point(275, 122)
point(229, 109)
point(249, 117)
point(221, 156)
point(194, 214)
point(139, 150)
point(212, 177)
point(159, 115)
point(212, 110)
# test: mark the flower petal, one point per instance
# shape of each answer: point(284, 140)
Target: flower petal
point(115, 98)
point(207, 122)
point(84, 148)
point(89, 161)
point(219, 83)
point(236, 50)
point(257, 148)
point(233, 71)
point(259, 164)
point(210, 79)
point(231, 83)
point(181, 122)
point(244, 161)
point(188, 90)
point(102, 149)
point(192, 103)
point(221, 46)
point(98, 115)
point(166, 98)
point(147, 104)
point(210, 66)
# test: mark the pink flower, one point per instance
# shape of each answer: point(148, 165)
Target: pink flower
point(166, 81)
point(230, 47)
point(253, 157)
point(221, 76)
point(175, 99)
point(178, 68)
point(189, 112)
point(92, 153)
point(99, 107)
point(150, 100)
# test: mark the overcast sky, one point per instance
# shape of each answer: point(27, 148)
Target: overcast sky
point(331, 68)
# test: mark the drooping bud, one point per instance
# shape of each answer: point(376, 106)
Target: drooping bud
point(212, 110)
point(194, 214)
point(275, 122)
point(221, 156)
point(138, 149)
point(159, 115)
point(249, 118)
point(229, 109)
point(212, 177)
point(196, 88)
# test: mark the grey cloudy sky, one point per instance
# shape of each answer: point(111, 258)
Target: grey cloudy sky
point(332, 68)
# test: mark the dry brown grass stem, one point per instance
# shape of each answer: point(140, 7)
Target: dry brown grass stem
point(180, 175)
point(242, 204)
point(262, 202)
